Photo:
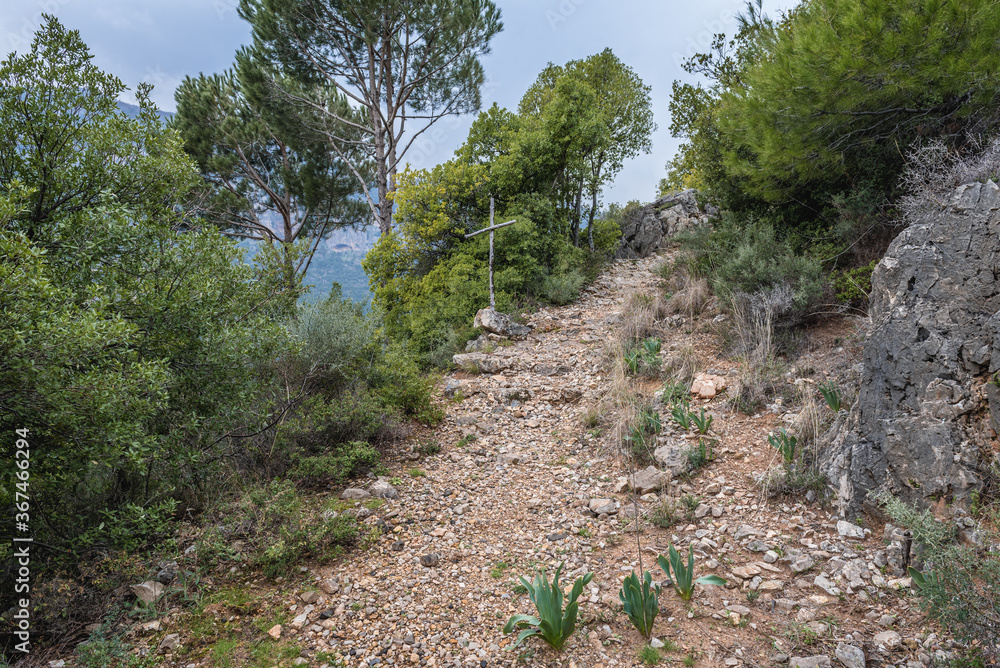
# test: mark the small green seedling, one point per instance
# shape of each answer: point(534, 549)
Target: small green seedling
point(784, 443)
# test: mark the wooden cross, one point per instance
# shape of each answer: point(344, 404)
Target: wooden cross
point(491, 229)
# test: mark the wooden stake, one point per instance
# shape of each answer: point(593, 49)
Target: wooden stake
point(492, 228)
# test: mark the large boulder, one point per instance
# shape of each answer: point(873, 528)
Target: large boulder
point(921, 425)
point(648, 229)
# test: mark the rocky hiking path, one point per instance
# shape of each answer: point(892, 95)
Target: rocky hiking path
point(520, 482)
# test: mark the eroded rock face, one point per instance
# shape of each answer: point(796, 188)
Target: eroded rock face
point(648, 229)
point(919, 426)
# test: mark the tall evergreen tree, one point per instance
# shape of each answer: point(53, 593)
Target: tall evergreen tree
point(402, 62)
point(269, 177)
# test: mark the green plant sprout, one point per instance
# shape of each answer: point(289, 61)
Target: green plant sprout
point(553, 623)
point(683, 574)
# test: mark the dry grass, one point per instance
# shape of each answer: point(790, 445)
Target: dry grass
point(691, 298)
point(642, 317)
point(681, 365)
point(808, 424)
point(753, 342)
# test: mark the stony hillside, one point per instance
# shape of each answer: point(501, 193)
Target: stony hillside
point(520, 482)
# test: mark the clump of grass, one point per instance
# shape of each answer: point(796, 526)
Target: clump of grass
point(649, 655)
point(428, 448)
point(665, 514)
point(681, 365)
point(466, 440)
point(691, 298)
point(699, 455)
point(641, 317)
point(417, 473)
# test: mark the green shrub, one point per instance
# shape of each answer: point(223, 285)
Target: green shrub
point(341, 462)
point(563, 288)
point(959, 582)
point(606, 235)
point(741, 255)
point(286, 531)
point(854, 285)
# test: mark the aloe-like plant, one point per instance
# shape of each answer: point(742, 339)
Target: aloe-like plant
point(702, 421)
point(682, 416)
point(553, 623)
point(925, 583)
point(831, 394)
point(784, 443)
point(683, 575)
point(632, 361)
point(652, 346)
point(650, 421)
point(640, 599)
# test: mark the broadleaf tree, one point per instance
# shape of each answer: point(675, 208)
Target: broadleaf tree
point(599, 113)
point(405, 63)
point(130, 347)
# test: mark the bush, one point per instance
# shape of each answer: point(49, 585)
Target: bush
point(337, 464)
point(959, 583)
point(745, 256)
point(562, 289)
point(607, 233)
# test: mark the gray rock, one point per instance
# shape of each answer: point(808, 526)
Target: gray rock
point(848, 530)
point(672, 455)
point(491, 320)
point(887, 639)
point(167, 572)
point(649, 228)
point(398, 546)
point(509, 394)
point(650, 479)
point(550, 370)
point(384, 490)
point(602, 506)
point(353, 493)
point(430, 560)
point(480, 363)
point(826, 585)
point(744, 531)
point(557, 536)
point(935, 312)
point(818, 661)
point(148, 591)
point(509, 458)
point(758, 546)
point(478, 344)
point(802, 563)
point(170, 642)
point(453, 387)
point(850, 655)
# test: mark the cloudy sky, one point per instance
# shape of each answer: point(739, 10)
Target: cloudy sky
point(161, 41)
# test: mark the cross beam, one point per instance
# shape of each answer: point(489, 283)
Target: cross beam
point(491, 229)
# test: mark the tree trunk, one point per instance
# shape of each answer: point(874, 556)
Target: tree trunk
point(590, 219)
point(576, 215)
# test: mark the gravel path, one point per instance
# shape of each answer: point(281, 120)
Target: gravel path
point(519, 482)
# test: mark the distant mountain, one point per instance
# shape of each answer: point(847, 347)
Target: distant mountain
point(338, 259)
point(132, 110)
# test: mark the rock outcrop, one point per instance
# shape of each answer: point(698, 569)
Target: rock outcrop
point(648, 229)
point(491, 320)
point(926, 411)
